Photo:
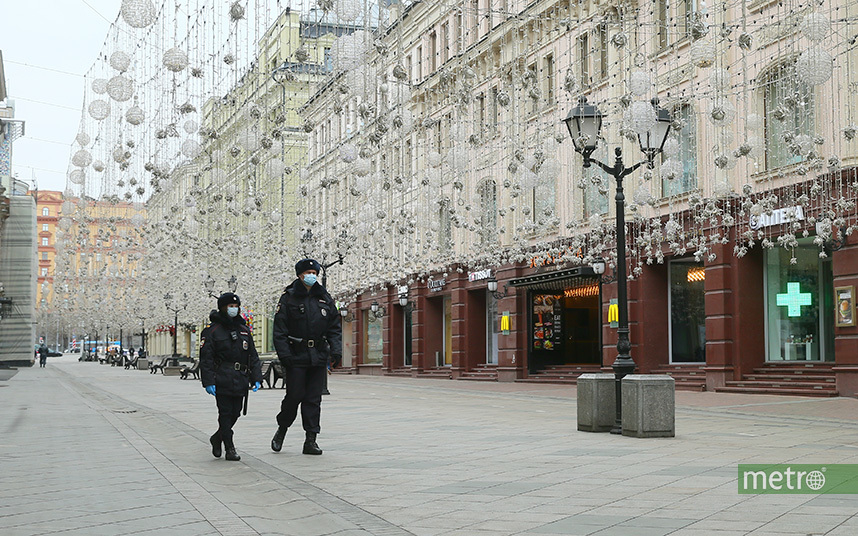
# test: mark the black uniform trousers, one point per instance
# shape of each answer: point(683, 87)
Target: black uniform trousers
point(228, 411)
point(304, 386)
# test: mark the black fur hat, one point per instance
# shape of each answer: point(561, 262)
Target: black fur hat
point(307, 264)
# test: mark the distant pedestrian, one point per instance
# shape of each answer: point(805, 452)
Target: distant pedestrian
point(308, 337)
point(229, 364)
point(43, 355)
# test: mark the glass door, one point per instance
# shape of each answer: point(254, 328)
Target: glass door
point(799, 304)
point(687, 324)
point(492, 327)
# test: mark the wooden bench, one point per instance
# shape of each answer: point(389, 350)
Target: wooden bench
point(155, 367)
point(193, 370)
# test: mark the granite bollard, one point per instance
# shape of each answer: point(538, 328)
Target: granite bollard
point(597, 402)
point(649, 405)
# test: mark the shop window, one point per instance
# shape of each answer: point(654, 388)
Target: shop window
point(373, 353)
point(789, 112)
point(687, 138)
point(799, 304)
point(687, 312)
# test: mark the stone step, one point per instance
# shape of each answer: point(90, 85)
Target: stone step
point(792, 377)
point(777, 391)
point(784, 385)
point(480, 378)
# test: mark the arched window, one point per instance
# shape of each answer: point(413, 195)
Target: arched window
point(789, 114)
point(46, 211)
point(687, 137)
point(488, 211)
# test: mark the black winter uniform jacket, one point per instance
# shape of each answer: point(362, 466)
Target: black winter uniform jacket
point(307, 327)
point(220, 351)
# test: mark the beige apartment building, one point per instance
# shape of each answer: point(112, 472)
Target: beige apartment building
point(439, 161)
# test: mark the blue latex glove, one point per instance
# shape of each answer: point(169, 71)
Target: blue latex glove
point(210, 389)
point(256, 386)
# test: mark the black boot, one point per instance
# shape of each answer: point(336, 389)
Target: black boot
point(310, 446)
point(277, 440)
point(215, 441)
point(232, 455)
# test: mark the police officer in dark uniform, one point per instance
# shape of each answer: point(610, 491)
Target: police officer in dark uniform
point(228, 365)
point(307, 336)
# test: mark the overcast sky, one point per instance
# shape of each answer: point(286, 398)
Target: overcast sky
point(39, 38)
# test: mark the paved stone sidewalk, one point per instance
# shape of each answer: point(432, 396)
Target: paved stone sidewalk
point(90, 449)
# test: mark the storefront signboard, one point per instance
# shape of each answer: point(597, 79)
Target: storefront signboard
point(477, 276)
point(614, 314)
point(435, 285)
point(845, 303)
point(777, 217)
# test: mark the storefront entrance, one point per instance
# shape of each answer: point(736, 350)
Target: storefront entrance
point(565, 327)
point(799, 304)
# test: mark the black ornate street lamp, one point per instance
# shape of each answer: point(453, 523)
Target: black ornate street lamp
point(168, 300)
point(209, 285)
point(585, 123)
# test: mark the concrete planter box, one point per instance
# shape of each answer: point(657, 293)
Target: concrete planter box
point(649, 406)
point(597, 402)
point(143, 364)
point(172, 371)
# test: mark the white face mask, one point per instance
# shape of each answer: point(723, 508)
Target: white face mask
point(232, 311)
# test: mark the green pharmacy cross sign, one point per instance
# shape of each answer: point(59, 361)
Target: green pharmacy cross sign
point(793, 299)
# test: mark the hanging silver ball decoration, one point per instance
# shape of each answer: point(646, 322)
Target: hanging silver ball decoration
point(815, 26)
point(134, 115)
point(175, 60)
point(120, 88)
point(77, 176)
point(302, 55)
point(99, 109)
point(138, 13)
point(348, 153)
point(82, 138)
point(190, 126)
point(721, 111)
point(82, 158)
point(99, 86)
point(639, 83)
point(98, 166)
point(814, 66)
point(120, 61)
point(640, 117)
point(703, 53)
point(236, 12)
point(191, 148)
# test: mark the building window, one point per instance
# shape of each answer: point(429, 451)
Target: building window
point(673, 20)
point(481, 114)
point(687, 312)
point(445, 42)
point(597, 185)
point(45, 227)
point(600, 54)
point(45, 241)
point(44, 272)
point(433, 52)
point(548, 77)
point(584, 60)
point(534, 96)
point(46, 211)
point(329, 60)
point(799, 304)
point(419, 63)
point(493, 112)
point(488, 212)
point(460, 33)
point(373, 346)
point(789, 111)
point(687, 137)
point(44, 255)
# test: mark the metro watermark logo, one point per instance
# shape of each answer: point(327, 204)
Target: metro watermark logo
point(794, 479)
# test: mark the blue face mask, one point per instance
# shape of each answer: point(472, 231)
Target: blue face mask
point(309, 279)
point(232, 311)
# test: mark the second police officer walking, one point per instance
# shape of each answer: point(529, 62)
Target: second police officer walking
point(228, 365)
point(307, 334)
